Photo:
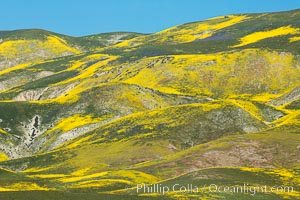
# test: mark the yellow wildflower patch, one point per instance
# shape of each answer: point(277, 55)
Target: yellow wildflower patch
point(79, 178)
point(248, 106)
point(202, 30)
point(9, 48)
point(17, 67)
point(80, 172)
point(22, 186)
point(248, 169)
point(85, 73)
point(2, 131)
point(3, 156)
point(265, 97)
point(131, 175)
point(294, 39)
point(59, 45)
point(99, 183)
point(74, 121)
point(124, 43)
point(85, 82)
point(78, 142)
point(257, 36)
point(184, 33)
point(53, 44)
point(29, 170)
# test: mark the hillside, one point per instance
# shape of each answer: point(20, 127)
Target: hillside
point(209, 102)
point(31, 46)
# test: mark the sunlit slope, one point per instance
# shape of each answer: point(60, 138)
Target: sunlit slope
point(74, 167)
point(17, 47)
point(128, 141)
point(210, 101)
point(240, 71)
point(248, 72)
point(44, 73)
point(137, 139)
point(247, 78)
point(45, 124)
point(175, 127)
point(97, 160)
point(187, 32)
point(81, 86)
point(34, 45)
point(202, 179)
point(276, 31)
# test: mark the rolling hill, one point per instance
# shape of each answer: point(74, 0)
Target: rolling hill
point(209, 102)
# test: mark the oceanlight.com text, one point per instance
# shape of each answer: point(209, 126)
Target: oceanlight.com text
point(212, 188)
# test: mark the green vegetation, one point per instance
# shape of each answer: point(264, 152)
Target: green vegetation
point(209, 102)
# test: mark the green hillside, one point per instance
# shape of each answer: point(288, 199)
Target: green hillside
point(209, 102)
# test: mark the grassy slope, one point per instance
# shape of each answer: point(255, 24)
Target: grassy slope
point(217, 35)
point(35, 45)
point(231, 80)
